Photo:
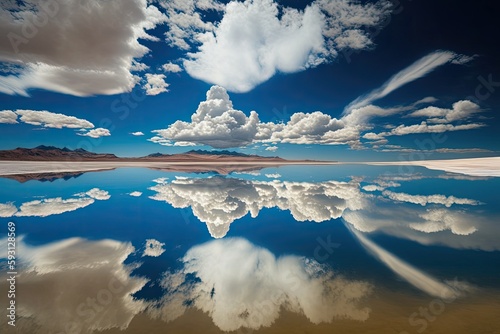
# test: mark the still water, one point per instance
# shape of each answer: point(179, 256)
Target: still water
point(316, 249)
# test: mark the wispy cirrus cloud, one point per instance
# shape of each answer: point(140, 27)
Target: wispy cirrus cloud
point(415, 71)
point(423, 127)
point(398, 148)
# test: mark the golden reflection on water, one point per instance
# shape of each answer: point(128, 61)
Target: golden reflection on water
point(390, 314)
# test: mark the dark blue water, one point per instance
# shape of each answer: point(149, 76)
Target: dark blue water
point(439, 225)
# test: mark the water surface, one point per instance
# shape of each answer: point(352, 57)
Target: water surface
point(318, 249)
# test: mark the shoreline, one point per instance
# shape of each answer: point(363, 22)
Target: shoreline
point(35, 167)
point(472, 166)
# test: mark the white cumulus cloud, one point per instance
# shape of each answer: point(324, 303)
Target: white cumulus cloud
point(272, 148)
point(47, 119)
point(155, 84)
point(138, 133)
point(215, 123)
point(460, 111)
point(218, 124)
point(84, 47)
point(185, 21)
point(8, 117)
point(171, 68)
point(96, 133)
point(257, 38)
point(52, 120)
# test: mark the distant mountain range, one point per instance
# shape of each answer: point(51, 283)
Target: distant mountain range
point(203, 152)
point(52, 153)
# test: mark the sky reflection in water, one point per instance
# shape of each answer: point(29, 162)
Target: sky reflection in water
point(317, 241)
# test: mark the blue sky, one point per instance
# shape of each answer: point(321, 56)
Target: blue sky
point(324, 79)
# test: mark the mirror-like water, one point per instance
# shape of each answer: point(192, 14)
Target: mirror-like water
point(291, 249)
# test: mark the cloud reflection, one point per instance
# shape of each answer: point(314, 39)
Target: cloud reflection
point(428, 219)
point(219, 201)
point(53, 206)
point(429, 199)
point(74, 285)
point(240, 285)
point(414, 276)
point(438, 225)
point(153, 248)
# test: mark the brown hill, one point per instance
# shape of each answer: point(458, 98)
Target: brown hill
point(51, 153)
point(209, 156)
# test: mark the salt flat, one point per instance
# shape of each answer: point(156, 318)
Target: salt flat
point(475, 166)
point(31, 167)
